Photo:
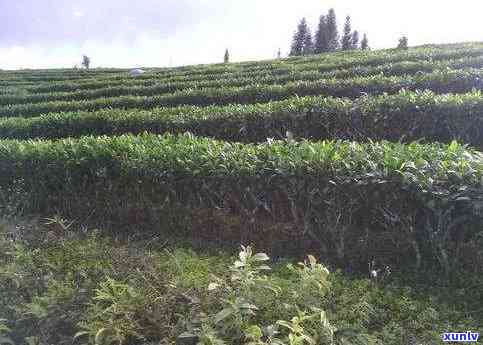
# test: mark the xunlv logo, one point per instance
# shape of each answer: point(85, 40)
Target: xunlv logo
point(461, 337)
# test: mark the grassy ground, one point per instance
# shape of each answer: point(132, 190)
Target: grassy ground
point(60, 285)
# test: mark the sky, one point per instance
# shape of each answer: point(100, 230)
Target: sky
point(162, 33)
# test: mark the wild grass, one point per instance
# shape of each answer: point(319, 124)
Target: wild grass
point(62, 285)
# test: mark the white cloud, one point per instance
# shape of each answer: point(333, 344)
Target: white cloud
point(254, 29)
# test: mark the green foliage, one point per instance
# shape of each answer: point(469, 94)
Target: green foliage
point(284, 75)
point(86, 61)
point(365, 43)
point(403, 43)
point(414, 206)
point(302, 40)
point(204, 76)
point(346, 41)
point(456, 81)
point(406, 116)
point(235, 321)
point(332, 31)
point(226, 57)
point(321, 44)
point(4, 331)
point(95, 290)
point(127, 174)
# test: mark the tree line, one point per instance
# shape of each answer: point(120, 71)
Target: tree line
point(326, 38)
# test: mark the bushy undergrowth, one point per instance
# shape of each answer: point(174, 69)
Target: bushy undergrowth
point(62, 286)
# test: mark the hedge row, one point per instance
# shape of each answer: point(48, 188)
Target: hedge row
point(406, 116)
point(440, 82)
point(323, 63)
point(419, 201)
point(150, 90)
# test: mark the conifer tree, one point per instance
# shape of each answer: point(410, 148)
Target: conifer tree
point(86, 61)
point(321, 37)
point(300, 39)
point(347, 36)
point(365, 43)
point(403, 43)
point(226, 58)
point(355, 40)
point(332, 31)
point(308, 43)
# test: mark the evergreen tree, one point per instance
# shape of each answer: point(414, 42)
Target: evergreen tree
point(308, 43)
point(365, 43)
point(332, 32)
point(347, 37)
point(86, 61)
point(403, 43)
point(300, 39)
point(279, 54)
point(226, 58)
point(355, 40)
point(321, 37)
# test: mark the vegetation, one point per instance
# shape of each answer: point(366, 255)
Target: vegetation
point(346, 41)
point(403, 43)
point(368, 161)
point(86, 61)
point(365, 42)
point(302, 40)
point(146, 179)
point(226, 57)
point(406, 116)
point(86, 288)
point(326, 37)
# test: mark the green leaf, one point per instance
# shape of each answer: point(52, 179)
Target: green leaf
point(222, 315)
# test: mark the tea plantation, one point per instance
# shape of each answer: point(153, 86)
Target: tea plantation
point(371, 161)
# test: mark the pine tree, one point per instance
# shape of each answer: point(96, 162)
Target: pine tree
point(332, 32)
point(300, 39)
point(308, 43)
point(321, 37)
point(226, 58)
point(403, 43)
point(86, 61)
point(365, 43)
point(355, 40)
point(347, 37)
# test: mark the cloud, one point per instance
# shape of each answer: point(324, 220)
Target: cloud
point(78, 13)
point(122, 33)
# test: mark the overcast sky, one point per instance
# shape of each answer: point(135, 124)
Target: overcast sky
point(122, 33)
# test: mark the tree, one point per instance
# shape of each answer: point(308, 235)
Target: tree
point(347, 37)
point(403, 43)
point(365, 43)
point(332, 32)
point(279, 54)
point(355, 40)
point(86, 61)
point(321, 36)
point(308, 43)
point(301, 39)
point(226, 58)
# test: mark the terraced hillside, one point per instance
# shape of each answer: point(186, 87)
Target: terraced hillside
point(354, 155)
